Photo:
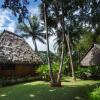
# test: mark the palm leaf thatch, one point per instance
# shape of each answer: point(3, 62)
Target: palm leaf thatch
point(92, 57)
point(14, 49)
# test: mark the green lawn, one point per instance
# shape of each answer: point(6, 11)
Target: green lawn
point(40, 90)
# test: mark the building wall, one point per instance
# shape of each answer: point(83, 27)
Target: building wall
point(19, 71)
point(24, 70)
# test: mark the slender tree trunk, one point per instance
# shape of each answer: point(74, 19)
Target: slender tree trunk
point(78, 58)
point(57, 21)
point(35, 45)
point(36, 49)
point(62, 52)
point(70, 52)
point(70, 56)
point(61, 65)
point(48, 54)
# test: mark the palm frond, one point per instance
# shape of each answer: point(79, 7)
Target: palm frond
point(25, 35)
point(41, 35)
point(23, 27)
point(40, 39)
point(33, 29)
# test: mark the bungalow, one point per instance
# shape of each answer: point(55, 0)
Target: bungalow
point(92, 57)
point(16, 56)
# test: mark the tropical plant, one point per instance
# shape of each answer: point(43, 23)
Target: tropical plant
point(43, 71)
point(95, 94)
point(32, 29)
point(95, 72)
point(47, 40)
point(83, 73)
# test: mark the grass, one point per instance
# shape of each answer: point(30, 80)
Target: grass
point(40, 90)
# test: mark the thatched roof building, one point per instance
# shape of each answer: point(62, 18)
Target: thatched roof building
point(92, 57)
point(16, 56)
point(14, 49)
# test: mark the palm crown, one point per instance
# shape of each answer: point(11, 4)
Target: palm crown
point(32, 29)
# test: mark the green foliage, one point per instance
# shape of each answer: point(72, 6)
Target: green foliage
point(95, 72)
point(95, 95)
point(92, 72)
point(43, 70)
point(86, 41)
point(83, 73)
point(98, 39)
point(32, 28)
point(55, 67)
point(43, 55)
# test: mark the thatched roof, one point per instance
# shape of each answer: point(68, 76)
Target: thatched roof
point(92, 57)
point(14, 49)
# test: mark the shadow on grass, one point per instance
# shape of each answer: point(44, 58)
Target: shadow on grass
point(42, 91)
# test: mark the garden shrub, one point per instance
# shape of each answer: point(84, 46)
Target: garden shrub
point(43, 71)
point(92, 72)
point(83, 73)
point(95, 72)
point(95, 95)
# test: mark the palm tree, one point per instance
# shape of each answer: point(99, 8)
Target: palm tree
point(70, 56)
point(32, 29)
point(65, 39)
point(48, 51)
point(59, 18)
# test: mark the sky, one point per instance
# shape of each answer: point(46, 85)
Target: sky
point(8, 22)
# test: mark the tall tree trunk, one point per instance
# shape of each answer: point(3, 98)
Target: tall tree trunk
point(70, 51)
point(78, 58)
point(70, 56)
point(57, 21)
point(61, 65)
point(48, 53)
point(35, 45)
point(36, 49)
point(62, 52)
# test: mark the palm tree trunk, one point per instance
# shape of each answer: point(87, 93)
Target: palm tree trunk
point(36, 49)
point(35, 45)
point(62, 52)
point(70, 56)
point(57, 21)
point(70, 52)
point(48, 54)
point(61, 64)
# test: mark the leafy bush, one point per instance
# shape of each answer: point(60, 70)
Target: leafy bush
point(95, 95)
point(83, 73)
point(92, 72)
point(95, 72)
point(43, 70)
